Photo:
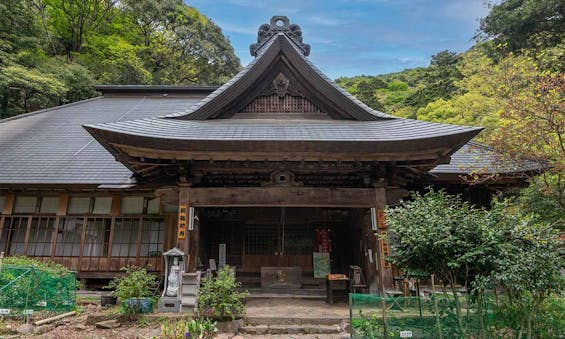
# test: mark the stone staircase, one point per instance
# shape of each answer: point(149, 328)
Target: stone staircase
point(190, 286)
point(322, 327)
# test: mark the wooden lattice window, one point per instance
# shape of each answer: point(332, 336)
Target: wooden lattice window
point(298, 239)
point(69, 234)
point(13, 235)
point(40, 236)
point(260, 239)
point(126, 233)
point(152, 235)
point(96, 237)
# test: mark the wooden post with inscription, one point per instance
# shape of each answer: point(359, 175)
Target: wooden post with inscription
point(380, 204)
point(182, 222)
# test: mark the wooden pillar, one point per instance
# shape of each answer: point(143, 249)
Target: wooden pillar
point(383, 279)
point(194, 246)
point(183, 235)
point(61, 213)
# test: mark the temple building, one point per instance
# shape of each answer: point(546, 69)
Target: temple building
point(279, 167)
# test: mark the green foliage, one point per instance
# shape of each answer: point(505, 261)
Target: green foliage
point(27, 283)
point(220, 295)
point(136, 283)
point(199, 328)
point(114, 61)
point(369, 326)
point(520, 24)
point(502, 247)
point(440, 234)
point(438, 80)
point(53, 51)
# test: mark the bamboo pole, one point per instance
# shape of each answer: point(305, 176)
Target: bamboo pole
point(57, 317)
point(436, 309)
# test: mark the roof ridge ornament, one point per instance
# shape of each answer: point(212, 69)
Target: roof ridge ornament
point(279, 24)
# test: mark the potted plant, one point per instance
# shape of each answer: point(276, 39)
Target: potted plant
point(135, 290)
point(108, 299)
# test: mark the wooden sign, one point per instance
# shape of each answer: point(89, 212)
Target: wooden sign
point(381, 219)
point(182, 223)
point(321, 263)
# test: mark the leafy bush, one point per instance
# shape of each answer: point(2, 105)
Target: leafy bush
point(369, 326)
point(137, 283)
point(198, 328)
point(220, 295)
point(47, 266)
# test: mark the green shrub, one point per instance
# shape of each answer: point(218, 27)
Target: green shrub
point(50, 267)
point(136, 283)
point(220, 295)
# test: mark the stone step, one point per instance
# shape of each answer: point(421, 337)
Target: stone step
point(189, 289)
point(188, 300)
point(281, 295)
point(190, 278)
point(284, 336)
point(261, 320)
point(291, 329)
point(296, 291)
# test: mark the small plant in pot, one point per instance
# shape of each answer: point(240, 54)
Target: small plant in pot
point(219, 297)
point(135, 290)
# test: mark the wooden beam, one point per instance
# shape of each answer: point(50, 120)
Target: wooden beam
point(281, 196)
point(63, 204)
point(432, 154)
point(2, 218)
point(9, 204)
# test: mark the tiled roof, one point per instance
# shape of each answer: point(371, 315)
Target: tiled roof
point(51, 147)
point(284, 130)
point(478, 158)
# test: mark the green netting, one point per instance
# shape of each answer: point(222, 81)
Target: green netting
point(25, 288)
point(418, 317)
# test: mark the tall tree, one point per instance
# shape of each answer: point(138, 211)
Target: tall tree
point(438, 80)
point(520, 24)
point(74, 20)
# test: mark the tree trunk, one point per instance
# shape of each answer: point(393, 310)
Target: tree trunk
point(457, 306)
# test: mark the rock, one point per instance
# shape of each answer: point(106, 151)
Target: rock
point(25, 329)
point(79, 327)
point(108, 324)
point(43, 328)
point(98, 317)
point(229, 326)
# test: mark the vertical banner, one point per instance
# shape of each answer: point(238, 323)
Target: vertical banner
point(323, 240)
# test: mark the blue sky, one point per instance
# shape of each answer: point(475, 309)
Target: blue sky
point(357, 36)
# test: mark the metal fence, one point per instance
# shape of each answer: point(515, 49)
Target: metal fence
point(25, 289)
point(435, 316)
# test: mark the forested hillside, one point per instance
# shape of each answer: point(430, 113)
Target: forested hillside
point(511, 82)
point(53, 51)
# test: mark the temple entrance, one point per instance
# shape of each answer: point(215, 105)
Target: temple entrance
point(251, 238)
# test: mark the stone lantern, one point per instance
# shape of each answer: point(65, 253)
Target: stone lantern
point(170, 300)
